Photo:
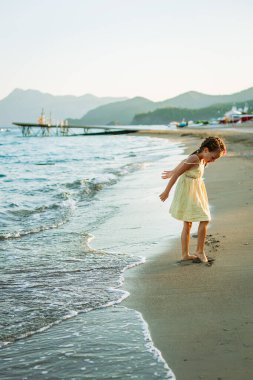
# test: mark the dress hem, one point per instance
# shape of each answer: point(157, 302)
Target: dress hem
point(191, 219)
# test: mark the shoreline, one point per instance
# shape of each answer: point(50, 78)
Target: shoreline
point(200, 317)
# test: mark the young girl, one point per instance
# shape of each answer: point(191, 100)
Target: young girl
point(190, 203)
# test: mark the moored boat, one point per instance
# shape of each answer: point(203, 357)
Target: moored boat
point(235, 116)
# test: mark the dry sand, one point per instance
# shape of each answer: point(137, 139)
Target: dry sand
point(201, 318)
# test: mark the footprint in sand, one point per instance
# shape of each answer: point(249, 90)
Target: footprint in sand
point(212, 242)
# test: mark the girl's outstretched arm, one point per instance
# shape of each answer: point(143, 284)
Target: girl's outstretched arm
point(177, 172)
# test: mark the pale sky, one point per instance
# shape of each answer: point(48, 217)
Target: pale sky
point(151, 48)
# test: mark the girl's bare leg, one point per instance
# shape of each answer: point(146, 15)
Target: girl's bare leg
point(185, 240)
point(201, 241)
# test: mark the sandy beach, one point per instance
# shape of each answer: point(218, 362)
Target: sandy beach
point(200, 317)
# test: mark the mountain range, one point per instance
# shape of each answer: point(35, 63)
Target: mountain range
point(26, 105)
point(123, 112)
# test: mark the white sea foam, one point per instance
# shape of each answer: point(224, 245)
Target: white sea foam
point(151, 348)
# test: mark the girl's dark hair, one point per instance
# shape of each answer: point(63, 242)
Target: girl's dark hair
point(213, 144)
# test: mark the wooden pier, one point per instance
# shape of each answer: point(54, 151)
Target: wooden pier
point(64, 130)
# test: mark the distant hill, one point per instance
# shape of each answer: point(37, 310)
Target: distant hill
point(26, 105)
point(123, 112)
point(116, 113)
point(166, 115)
point(195, 100)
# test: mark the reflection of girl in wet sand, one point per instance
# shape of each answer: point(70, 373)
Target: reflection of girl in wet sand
point(190, 203)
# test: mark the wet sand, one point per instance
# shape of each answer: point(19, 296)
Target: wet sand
point(201, 318)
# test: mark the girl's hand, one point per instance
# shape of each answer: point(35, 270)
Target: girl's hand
point(164, 196)
point(167, 174)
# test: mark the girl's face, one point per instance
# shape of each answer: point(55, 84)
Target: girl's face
point(211, 156)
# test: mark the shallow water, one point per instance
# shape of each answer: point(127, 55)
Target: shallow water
point(118, 348)
point(55, 192)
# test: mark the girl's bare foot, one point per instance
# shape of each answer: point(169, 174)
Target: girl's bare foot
point(189, 257)
point(202, 257)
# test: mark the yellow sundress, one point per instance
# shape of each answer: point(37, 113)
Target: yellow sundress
point(190, 202)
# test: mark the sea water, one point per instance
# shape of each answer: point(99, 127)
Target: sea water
point(60, 295)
